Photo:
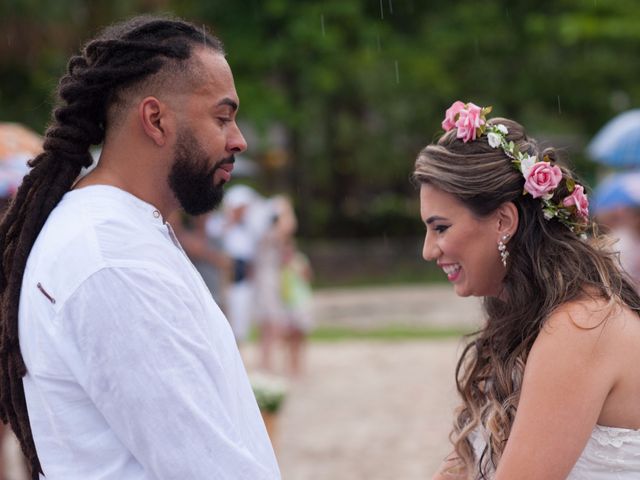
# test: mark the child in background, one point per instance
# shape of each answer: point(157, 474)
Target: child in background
point(297, 300)
point(269, 308)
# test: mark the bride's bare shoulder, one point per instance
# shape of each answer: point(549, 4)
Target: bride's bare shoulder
point(592, 321)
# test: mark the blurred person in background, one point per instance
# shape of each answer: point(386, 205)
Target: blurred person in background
point(204, 252)
point(297, 296)
point(616, 208)
point(280, 224)
point(238, 235)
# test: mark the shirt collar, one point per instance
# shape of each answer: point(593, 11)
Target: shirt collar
point(147, 210)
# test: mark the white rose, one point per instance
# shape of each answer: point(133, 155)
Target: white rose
point(494, 139)
point(527, 164)
point(502, 129)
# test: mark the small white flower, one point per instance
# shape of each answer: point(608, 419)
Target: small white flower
point(548, 214)
point(548, 196)
point(527, 163)
point(494, 139)
point(502, 129)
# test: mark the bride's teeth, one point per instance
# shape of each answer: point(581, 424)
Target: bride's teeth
point(450, 269)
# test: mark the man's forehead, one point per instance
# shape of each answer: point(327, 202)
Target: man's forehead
point(214, 77)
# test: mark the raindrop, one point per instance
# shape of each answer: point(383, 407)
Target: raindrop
point(391, 7)
point(322, 23)
point(397, 73)
point(381, 10)
point(559, 106)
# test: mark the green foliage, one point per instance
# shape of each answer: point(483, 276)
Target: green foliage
point(390, 333)
point(359, 86)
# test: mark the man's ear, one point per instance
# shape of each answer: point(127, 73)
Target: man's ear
point(507, 219)
point(152, 114)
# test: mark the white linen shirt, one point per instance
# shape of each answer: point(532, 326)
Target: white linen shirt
point(133, 371)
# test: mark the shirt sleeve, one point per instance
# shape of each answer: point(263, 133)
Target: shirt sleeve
point(155, 373)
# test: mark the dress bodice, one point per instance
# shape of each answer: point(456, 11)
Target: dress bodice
point(610, 454)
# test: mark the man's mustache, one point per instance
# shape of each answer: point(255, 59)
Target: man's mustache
point(230, 159)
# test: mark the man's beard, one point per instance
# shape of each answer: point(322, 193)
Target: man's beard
point(191, 177)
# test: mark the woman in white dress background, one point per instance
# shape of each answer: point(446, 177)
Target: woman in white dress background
point(269, 307)
point(550, 386)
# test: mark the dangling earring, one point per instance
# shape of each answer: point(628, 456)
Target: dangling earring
point(502, 248)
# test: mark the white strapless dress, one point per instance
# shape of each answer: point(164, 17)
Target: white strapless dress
point(610, 454)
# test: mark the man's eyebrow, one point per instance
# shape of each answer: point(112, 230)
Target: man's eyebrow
point(433, 218)
point(228, 102)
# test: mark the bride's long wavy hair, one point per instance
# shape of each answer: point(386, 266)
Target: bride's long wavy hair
point(548, 265)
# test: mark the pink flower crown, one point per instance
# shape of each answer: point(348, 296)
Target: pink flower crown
point(541, 177)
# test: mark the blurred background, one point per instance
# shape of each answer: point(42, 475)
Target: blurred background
point(337, 98)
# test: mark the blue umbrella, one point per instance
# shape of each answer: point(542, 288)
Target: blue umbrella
point(617, 144)
point(615, 191)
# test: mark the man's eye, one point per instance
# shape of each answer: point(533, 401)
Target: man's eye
point(224, 120)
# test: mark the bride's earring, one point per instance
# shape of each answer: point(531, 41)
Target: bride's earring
point(502, 248)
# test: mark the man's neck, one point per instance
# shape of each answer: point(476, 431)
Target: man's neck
point(137, 184)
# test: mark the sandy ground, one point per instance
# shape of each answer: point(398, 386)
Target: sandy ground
point(433, 306)
point(368, 410)
point(375, 410)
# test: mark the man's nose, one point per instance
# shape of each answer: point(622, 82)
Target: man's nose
point(236, 142)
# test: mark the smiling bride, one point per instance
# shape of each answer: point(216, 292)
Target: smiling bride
point(550, 385)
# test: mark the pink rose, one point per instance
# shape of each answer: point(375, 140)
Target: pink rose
point(579, 199)
point(542, 179)
point(469, 121)
point(449, 122)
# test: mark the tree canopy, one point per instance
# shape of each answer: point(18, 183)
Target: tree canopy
point(341, 94)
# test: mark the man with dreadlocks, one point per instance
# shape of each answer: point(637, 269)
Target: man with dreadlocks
point(115, 362)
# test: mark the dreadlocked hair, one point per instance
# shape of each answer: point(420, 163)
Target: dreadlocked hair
point(123, 59)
